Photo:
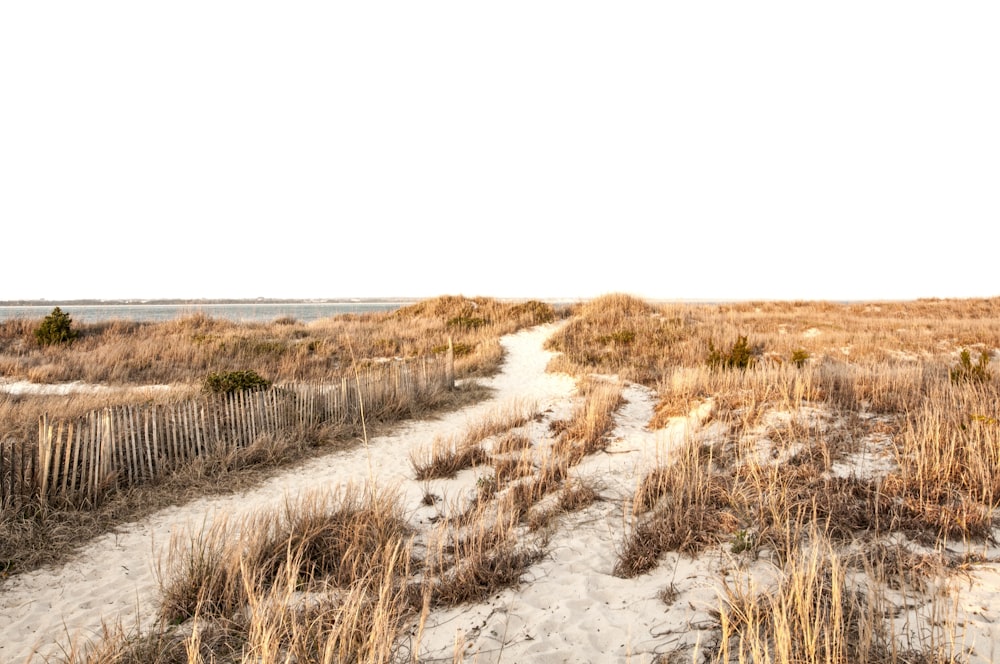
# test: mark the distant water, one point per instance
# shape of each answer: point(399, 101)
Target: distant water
point(242, 312)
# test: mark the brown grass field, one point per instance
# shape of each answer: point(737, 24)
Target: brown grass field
point(848, 464)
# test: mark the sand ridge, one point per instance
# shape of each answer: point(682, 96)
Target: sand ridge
point(569, 606)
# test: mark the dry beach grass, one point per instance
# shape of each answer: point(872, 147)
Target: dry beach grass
point(119, 360)
point(832, 482)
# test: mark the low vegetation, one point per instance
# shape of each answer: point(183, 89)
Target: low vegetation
point(344, 574)
point(185, 350)
point(841, 469)
point(200, 354)
point(739, 356)
point(965, 370)
point(445, 457)
point(781, 476)
point(228, 382)
point(56, 328)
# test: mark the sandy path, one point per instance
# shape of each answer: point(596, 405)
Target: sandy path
point(114, 575)
point(570, 608)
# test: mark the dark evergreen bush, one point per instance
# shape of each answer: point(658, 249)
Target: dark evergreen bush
point(56, 328)
point(739, 356)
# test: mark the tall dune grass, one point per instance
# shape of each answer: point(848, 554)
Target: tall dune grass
point(828, 384)
point(125, 358)
point(184, 350)
point(817, 564)
point(822, 610)
point(323, 582)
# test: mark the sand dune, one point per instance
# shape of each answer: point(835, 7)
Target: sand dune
point(568, 608)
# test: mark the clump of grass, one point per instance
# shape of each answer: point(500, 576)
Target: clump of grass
point(690, 509)
point(512, 442)
point(576, 496)
point(122, 645)
point(470, 563)
point(486, 487)
point(519, 498)
point(260, 589)
point(948, 458)
point(329, 536)
point(508, 469)
point(445, 457)
point(965, 370)
point(587, 430)
point(500, 421)
point(332, 576)
point(820, 611)
point(652, 487)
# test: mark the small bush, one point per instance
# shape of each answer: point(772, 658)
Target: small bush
point(537, 312)
point(739, 356)
point(56, 328)
point(228, 382)
point(618, 338)
point(466, 322)
point(460, 349)
point(486, 487)
point(966, 371)
point(743, 540)
point(799, 357)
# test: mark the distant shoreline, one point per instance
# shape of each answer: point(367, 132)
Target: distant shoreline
point(196, 302)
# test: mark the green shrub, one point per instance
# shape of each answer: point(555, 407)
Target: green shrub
point(466, 322)
point(619, 338)
point(229, 382)
point(56, 328)
point(739, 356)
point(799, 357)
point(460, 349)
point(965, 370)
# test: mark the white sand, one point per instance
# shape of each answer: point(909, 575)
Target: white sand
point(570, 608)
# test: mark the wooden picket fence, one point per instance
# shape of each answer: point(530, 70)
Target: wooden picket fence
point(79, 461)
point(17, 470)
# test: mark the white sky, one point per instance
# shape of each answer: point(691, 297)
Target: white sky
point(839, 150)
